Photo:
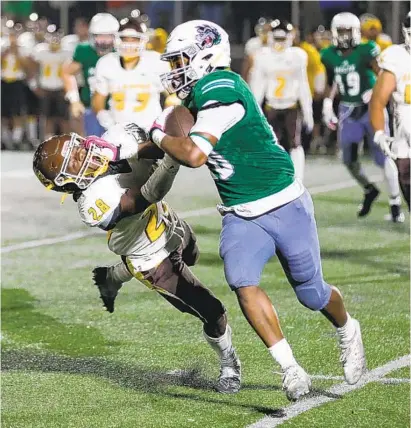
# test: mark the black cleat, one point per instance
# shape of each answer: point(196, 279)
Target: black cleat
point(397, 216)
point(107, 286)
point(370, 195)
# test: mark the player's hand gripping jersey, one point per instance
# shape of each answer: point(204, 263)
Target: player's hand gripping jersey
point(252, 172)
point(281, 78)
point(146, 238)
point(135, 93)
point(352, 73)
point(397, 59)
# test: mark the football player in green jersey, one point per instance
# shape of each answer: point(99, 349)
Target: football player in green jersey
point(102, 30)
point(266, 210)
point(351, 67)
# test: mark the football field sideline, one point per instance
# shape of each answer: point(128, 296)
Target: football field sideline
point(184, 215)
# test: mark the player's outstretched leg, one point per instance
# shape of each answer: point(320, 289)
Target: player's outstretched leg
point(299, 253)
point(109, 279)
point(245, 248)
point(174, 281)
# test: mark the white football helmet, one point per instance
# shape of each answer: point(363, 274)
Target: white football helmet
point(103, 29)
point(406, 29)
point(194, 49)
point(346, 30)
point(131, 39)
point(282, 33)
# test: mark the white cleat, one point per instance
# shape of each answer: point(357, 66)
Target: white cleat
point(353, 355)
point(229, 381)
point(296, 382)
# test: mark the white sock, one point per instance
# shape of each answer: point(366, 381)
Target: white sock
point(120, 273)
point(347, 331)
point(391, 176)
point(32, 128)
point(298, 158)
point(222, 345)
point(17, 134)
point(283, 354)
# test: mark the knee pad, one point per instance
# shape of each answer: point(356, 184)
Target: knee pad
point(314, 294)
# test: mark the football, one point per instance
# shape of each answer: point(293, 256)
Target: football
point(179, 122)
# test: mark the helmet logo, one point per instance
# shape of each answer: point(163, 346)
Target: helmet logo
point(207, 36)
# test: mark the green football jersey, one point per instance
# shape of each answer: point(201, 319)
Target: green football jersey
point(247, 163)
point(87, 56)
point(352, 73)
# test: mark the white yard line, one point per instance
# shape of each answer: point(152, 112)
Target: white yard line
point(185, 214)
point(341, 389)
point(386, 380)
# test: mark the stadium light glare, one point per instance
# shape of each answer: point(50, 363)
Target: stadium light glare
point(51, 28)
point(33, 17)
point(135, 13)
point(10, 23)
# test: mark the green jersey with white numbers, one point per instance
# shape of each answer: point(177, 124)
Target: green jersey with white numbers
point(87, 56)
point(247, 163)
point(352, 72)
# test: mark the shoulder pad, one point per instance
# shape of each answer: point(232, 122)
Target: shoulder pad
point(391, 58)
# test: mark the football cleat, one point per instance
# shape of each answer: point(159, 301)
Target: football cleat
point(396, 215)
point(296, 382)
point(229, 381)
point(370, 195)
point(102, 277)
point(353, 355)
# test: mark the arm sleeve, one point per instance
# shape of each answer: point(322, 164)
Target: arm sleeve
point(215, 118)
point(101, 82)
point(77, 54)
point(305, 97)
point(371, 51)
point(388, 60)
point(258, 81)
point(161, 181)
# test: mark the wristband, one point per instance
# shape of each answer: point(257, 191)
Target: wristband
point(73, 96)
point(157, 137)
point(33, 84)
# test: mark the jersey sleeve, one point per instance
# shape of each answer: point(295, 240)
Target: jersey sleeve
point(100, 80)
point(249, 47)
point(100, 203)
point(390, 59)
point(370, 51)
point(221, 90)
point(78, 55)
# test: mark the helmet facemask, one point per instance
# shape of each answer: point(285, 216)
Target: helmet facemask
point(94, 164)
point(130, 43)
point(102, 43)
point(281, 40)
point(182, 75)
point(346, 38)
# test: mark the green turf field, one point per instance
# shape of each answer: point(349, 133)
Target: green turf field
point(67, 363)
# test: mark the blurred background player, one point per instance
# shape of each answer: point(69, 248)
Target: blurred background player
point(102, 31)
point(316, 80)
point(352, 68)
point(262, 38)
point(280, 78)
point(47, 62)
point(371, 29)
point(14, 67)
point(395, 82)
point(130, 77)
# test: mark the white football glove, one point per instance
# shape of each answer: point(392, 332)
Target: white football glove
point(329, 117)
point(385, 142)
